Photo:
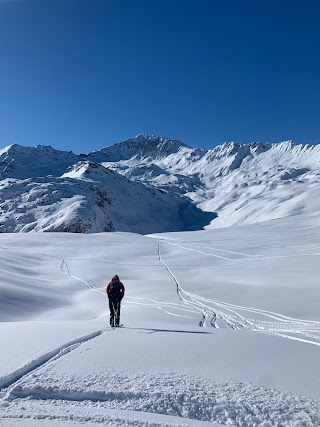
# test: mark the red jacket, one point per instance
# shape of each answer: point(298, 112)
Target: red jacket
point(122, 288)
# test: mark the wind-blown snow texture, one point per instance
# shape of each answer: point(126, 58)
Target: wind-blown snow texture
point(43, 189)
point(219, 326)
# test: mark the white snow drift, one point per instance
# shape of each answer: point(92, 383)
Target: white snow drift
point(219, 326)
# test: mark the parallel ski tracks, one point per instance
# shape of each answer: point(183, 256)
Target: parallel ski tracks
point(218, 314)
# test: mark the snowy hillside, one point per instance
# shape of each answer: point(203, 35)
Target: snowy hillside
point(240, 183)
point(90, 198)
point(21, 162)
point(152, 184)
point(140, 147)
point(220, 326)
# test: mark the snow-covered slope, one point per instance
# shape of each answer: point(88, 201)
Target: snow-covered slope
point(90, 198)
point(219, 326)
point(241, 183)
point(140, 147)
point(234, 184)
point(21, 162)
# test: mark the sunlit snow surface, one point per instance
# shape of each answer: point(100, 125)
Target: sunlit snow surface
point(136, 186)
point(219, 326)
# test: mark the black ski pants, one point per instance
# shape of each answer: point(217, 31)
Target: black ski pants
point(114, 306)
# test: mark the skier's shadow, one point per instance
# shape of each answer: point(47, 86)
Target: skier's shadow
point(153, 330)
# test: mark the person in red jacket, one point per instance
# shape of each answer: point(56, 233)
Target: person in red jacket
point(115, 291)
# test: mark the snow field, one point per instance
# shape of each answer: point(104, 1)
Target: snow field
point(28, 345)
point(254, 362)
point(56, 413)
point(194, 377)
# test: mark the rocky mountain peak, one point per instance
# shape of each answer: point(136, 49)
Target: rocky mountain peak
point(141, 146)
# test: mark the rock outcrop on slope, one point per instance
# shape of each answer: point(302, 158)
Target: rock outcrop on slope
point(241, 183)
point(152, 184)
point(89, 198)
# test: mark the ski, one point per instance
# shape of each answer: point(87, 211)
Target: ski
point(115, 327)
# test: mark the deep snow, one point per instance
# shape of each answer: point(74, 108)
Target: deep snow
point(219, 326)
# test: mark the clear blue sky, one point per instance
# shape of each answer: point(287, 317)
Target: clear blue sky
point(83, 74)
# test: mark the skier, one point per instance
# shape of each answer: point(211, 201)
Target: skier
point(115, 291)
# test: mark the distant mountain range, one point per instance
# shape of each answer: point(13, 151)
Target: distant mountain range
point(154, 184)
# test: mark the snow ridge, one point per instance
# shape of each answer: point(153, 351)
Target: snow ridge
point(90, 198)
point(232, 403)
point(140, 147)
point(164, 184)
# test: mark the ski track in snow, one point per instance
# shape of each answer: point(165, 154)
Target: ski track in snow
point(137, 301)
point(65, 268)
point(230, 403)
point(221, 314)
point(9, 383)
point(248, 257)
point(56, 413)
point(215, 313)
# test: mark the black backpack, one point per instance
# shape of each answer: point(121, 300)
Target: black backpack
point(115, 291)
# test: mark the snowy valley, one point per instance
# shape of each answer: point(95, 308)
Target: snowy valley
point(152, 184)
point(219, 253)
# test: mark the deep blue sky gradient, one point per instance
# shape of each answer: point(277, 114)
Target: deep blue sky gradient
point(83, 74)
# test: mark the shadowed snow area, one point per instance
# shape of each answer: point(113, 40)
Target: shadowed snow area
point(89, 198)
point(219, 326)
point(241, 184)
point(151, 184)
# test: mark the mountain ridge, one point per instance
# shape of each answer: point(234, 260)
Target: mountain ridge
point(232, 183)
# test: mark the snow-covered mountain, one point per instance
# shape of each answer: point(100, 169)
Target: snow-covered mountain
point(28, 162)
point(240, 183)
point(152, 184)
point(219, 326)
point(90, 198)
point(139, 147)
